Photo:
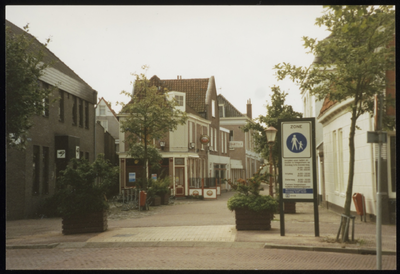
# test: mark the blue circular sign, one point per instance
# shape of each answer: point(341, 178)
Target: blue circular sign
point(296, 142)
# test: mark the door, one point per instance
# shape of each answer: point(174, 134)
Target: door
point(179, 181)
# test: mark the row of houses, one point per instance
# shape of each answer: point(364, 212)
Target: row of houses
point(78, 125)
point(197, 168)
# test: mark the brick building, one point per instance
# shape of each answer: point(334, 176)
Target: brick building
point(65, 130)
point(196, 168)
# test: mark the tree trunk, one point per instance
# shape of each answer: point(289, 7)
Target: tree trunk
point(349, 191)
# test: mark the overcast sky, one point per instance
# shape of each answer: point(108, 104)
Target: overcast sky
point(238, 45)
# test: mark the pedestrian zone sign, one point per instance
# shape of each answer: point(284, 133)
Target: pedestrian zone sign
point(297, 160)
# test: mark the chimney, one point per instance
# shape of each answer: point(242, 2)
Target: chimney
point(177, 77)
point(249, 111)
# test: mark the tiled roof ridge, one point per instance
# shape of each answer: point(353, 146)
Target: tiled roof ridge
point(50, 53)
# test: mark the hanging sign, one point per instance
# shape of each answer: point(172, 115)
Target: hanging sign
point(204, 139)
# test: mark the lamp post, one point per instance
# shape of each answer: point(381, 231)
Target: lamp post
point(271, 134)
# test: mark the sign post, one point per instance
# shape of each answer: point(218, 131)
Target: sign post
point(297, 166)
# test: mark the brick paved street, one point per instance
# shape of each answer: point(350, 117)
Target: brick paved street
point(189, 258)
point(196, 235)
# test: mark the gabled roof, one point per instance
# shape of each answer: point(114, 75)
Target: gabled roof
point(108, 105)
point(230, 110)
point(326, 105)
point(53, 61)
point(195, 89)
point(49, 58)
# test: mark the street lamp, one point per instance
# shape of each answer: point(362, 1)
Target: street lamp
point(271, 134)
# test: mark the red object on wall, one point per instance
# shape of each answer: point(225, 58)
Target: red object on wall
point(359, 202)
point(143, 196)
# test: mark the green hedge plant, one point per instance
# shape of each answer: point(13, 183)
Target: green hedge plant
point(248, 195)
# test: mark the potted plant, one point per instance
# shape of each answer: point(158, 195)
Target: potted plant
point(253, 211)
point(82, 195)
point(161, 188)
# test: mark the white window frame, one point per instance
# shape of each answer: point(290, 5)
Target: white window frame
point(101, 109)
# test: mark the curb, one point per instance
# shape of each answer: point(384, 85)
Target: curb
point(330, 249)
point(197, 244)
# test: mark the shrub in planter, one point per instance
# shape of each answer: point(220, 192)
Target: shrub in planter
point(252, 210)
point(161, 188)
point(82, 194)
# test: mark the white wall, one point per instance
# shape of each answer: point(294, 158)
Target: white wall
point(364, 173)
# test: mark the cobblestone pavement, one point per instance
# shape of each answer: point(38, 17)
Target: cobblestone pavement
point(199, 258)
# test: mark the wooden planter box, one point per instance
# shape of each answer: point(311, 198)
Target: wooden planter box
point(89, 223)
point(164, 199)
point(156, 201)
point(289, 207)
point(252, 220)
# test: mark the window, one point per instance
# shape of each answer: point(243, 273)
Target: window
point(335, 158)
point(231, 135)
point(87, 155)
point(74, 110)
point(61, 107)
point(340, 160)
point(216, 139)
point(45, 158)
point(86, 114)
point(45, 102)
point(221, 109)
point(179, 100)
point(213, 108)
point(80, 113)
point(102, 110)
point(36, 170)
point(179, 161)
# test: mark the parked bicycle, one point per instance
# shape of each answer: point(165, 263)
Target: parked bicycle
point(129, 199)
point(126, 199)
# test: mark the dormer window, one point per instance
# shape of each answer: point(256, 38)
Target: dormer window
point(179, 99)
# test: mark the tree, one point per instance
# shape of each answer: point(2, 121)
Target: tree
point(353, 62)
point(276, 110)
point(149, 114)
point(25, 97)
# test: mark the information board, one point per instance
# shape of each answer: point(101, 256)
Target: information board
point(297, 162)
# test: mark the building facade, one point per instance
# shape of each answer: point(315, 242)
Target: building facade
point(65, 130)
point(334, 158)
